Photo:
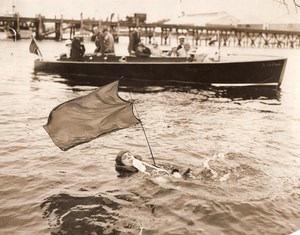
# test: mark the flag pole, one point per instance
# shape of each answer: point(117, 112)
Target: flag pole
point(143, 130)
point(38, 49)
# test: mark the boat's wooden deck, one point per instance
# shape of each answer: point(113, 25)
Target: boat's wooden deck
point(198, 58)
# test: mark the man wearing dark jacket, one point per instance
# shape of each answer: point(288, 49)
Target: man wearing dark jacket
point(77, 49)
point(142, 51)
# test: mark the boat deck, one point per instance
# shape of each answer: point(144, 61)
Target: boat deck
point(197, 58)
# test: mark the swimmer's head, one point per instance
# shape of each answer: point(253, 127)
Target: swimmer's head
point(124, 163)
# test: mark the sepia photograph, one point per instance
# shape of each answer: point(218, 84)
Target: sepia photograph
point(163, 117)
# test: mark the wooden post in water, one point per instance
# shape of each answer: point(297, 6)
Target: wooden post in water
point(57, 26)
point(18, 36)
point(117, 31)
point(81, 23)
point(61, 28)
point(39, 28)
point(71, 32)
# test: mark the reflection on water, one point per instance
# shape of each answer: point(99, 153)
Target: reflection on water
point(234, 93)
point(81, 215)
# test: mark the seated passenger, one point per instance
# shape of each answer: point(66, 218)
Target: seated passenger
point(66, 55)
point(181, 39)
point(108, 42)
point(155, 50)
point(173, 52)
point(99, 42)
point(77, 47)
point(185, 51)
point(142, 51)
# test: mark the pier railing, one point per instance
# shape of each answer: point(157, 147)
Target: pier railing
point(198, 35)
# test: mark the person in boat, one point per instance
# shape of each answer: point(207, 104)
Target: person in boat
point(68, 50)
point(142, 51)
point(77, 47)
point(108, 41)
point(185, 51)
point(173, 52)
point(99, 42)
point(128, 164)
point(134, 39)
point(155, 50)
point(181, 39)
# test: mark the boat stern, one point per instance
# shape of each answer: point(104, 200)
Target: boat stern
point(282, 72)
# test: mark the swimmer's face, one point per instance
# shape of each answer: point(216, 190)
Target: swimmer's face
point(127, 159)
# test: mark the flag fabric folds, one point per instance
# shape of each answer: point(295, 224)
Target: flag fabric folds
point(87, 117)
point(33, 48)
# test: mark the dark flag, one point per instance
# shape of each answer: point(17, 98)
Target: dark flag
point(33, 48)
point(87, 117)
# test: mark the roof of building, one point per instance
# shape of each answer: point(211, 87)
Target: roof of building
point(250, 20)
point(203, 19)
point(286, 19)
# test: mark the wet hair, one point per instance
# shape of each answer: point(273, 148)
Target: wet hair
point(121, 168)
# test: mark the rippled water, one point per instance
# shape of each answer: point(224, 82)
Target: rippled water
point(251, 142)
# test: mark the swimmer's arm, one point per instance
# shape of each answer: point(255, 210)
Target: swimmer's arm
point(145, 172)
point(156, 168)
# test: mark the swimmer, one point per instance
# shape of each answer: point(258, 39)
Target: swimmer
point(128, 164)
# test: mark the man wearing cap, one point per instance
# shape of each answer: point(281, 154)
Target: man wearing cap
point(134, 39)
point(181, 39)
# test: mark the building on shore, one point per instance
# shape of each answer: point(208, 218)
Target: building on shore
point(251, 22)
point(285, 23)
point(215, 19)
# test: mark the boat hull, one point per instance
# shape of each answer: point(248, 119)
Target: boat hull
point(168, 72)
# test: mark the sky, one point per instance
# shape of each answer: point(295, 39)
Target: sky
point(155, 9)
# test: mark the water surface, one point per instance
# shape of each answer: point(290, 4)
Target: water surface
point(251, 140)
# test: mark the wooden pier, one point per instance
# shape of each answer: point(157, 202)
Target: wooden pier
point(199, 36)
